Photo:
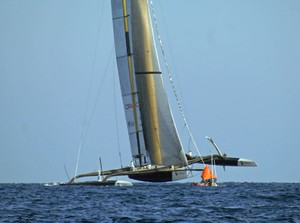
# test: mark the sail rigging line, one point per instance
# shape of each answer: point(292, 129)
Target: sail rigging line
point(116, 117)
point(82, 140)
point(215, 168)
point(82, 136)
point(171, 79)
point(171, 53)
point(93, 109)
point(66, 172)
point(213, 163)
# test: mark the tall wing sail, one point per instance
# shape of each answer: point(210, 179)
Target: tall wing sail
point(123, 44)
point(161, 138)
point(150, 123)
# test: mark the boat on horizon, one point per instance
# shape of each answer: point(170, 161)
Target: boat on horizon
point(156, 148)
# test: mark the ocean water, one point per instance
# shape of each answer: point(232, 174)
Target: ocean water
point(144, 202)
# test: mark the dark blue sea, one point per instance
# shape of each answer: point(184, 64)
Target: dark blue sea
point(166, 202)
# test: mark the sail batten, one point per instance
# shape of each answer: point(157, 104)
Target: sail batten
point(148, 72)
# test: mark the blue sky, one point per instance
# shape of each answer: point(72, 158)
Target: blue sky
point(234, 63)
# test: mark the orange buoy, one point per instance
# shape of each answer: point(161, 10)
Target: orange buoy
point(207, 173)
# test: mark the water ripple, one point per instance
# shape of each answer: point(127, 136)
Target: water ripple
point(231, 202)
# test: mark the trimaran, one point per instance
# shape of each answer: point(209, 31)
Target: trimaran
point(157, 152)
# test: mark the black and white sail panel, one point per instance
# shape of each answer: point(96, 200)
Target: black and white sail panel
point(122, 29)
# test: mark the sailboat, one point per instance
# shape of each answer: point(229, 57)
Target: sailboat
point(157, 151)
